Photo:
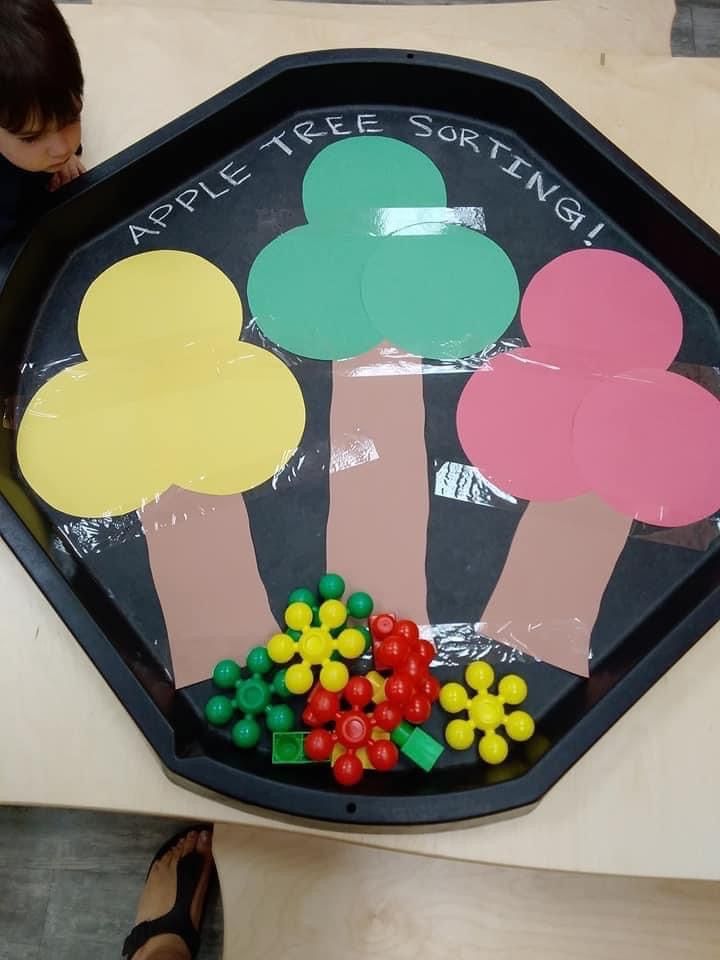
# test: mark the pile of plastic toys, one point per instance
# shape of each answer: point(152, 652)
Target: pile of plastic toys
point(359, 715)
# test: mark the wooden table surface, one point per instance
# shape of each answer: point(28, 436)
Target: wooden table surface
point(646, 800)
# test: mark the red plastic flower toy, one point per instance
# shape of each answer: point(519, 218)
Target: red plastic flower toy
point(352, 729)
point(397, 647)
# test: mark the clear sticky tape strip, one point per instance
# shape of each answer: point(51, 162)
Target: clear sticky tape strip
point(458, 644)
point(467, 484)
point(423, 221)
point(390, 361)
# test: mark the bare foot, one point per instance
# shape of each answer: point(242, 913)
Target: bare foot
point(158, 896)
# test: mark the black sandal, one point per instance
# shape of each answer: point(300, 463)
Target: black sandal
point(177, 920)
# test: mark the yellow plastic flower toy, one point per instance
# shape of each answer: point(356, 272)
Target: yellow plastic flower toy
point(486, 712)
point(315, 645)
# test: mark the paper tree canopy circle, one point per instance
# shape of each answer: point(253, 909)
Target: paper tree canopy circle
point(444, 295)
point(344, 283)
point(515, 424)
point(118, 310)
point(167, 395)
point(350, 183)
point(610, 309)
point(647, 442)
point(305, 293)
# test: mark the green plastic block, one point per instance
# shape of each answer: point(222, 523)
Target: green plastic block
point(289, 747)
point(417, 745)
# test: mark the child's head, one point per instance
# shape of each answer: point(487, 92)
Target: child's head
point(41, 86)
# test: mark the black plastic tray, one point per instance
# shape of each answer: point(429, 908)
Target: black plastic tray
point(664, 599)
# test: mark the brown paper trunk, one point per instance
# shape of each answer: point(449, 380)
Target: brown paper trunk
point(548, 596)
point(203, 564)
point(377, 525)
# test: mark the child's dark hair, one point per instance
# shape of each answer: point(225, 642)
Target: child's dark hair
point(41, 81)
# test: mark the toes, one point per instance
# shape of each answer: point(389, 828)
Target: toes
point(189, 842)
point(165, 860)
point(204, 844)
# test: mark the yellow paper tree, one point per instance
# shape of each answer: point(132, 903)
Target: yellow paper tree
point(168, 399)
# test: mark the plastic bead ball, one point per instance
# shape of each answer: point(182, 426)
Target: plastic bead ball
point(383, 625)
point(333, 676)
point(302, 595)
point(417, 710)
point(298, 678)
point(520, 725)
point(280, 718)
point(298, 616)
point(430, 687)
point(368, 637)
point(218, 711)
point(333, 614)
point(479, 675)
point(383, 754)
point(278, 684)
point(348, 770)
point(387, 716)
point(360, 605)
point(246, 733)
point(324, 706)
point(414, 667)
point(395, 651)
point(281, 648)
point(358, 691)
point(258, 660)
point(399, 689)
point(318, 745)
point(493, 748)
point(460, 734)
point(513, 689)
point(331, 586)
point(351, 643)
point(453, 697)
point(426, 651)
point(226, 674)
point(407, 629)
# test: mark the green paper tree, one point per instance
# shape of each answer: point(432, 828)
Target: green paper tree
point(377, 261)
point(381, 276)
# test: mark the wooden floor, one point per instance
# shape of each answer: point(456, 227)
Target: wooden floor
point(70, 880)
point(696, 30)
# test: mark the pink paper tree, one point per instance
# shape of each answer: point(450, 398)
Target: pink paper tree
point(590, 427)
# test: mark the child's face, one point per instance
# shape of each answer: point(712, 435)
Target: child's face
point(41, 150)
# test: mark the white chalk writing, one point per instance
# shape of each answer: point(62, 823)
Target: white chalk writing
point(566, 208)
point(539, 184)
point(338, 125)
point(304, 133)
point(189, 200)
